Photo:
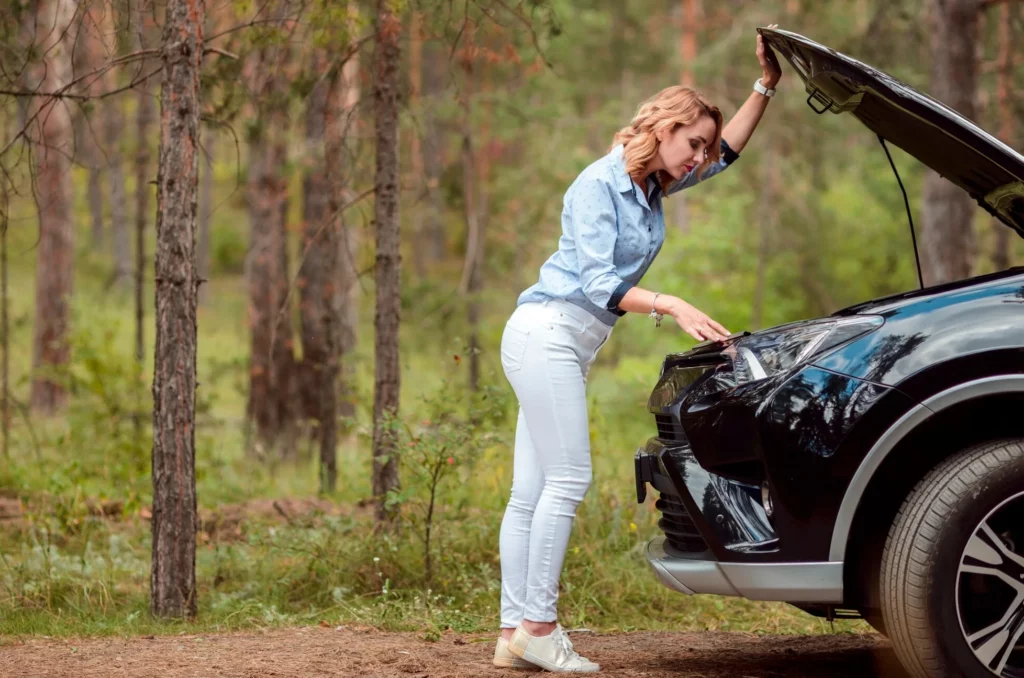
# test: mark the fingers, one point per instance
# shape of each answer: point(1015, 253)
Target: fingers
point(713, 335)
point(704, 334)
point(718, 327)
point(694, 334)
point(691, 327)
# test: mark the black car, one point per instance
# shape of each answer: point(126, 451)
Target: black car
point(869, 464)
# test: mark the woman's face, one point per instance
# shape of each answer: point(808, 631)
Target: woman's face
point(683, 148)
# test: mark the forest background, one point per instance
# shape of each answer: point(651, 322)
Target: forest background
point(376, 184)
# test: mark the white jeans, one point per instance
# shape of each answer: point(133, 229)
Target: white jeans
point(546, 351)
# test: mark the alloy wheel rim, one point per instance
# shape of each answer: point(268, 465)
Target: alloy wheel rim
point(990, 590)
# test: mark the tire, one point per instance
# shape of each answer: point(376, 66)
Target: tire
point(930, 604)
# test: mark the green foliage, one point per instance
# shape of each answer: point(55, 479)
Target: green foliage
point(228, 248)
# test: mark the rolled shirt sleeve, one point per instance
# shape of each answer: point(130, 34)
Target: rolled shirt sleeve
point(692, 178)
point(594, 233)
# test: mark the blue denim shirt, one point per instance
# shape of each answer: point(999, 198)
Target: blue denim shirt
point(610, 235)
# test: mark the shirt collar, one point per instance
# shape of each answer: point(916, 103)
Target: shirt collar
point(624, 183)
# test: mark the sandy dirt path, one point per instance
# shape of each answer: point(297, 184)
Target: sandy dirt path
point(317, 651)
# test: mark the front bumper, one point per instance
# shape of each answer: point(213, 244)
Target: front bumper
point(786, 582)
point(702, 511)
point(725, 544)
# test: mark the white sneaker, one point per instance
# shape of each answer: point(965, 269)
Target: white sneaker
point(506, 660)
point(552, 652)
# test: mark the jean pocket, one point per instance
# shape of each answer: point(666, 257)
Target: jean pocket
point(566, 322)
point(513, 348)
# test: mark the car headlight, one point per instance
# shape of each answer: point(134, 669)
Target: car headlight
point(764, 355)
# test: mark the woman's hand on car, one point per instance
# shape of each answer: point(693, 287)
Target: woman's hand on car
point(694, 322)
point(770, 67)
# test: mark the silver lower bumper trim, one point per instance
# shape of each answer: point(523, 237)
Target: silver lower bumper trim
point(786, 582)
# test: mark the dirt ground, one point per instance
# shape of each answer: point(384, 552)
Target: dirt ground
point(347, 651)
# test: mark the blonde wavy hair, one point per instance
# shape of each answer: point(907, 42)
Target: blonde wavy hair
point(669, 108)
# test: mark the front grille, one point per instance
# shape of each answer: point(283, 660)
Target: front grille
point(668, 428)
point(677, 525)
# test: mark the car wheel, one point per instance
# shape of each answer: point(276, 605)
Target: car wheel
point(952, 578)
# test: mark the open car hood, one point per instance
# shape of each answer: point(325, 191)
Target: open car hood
point(989, 170)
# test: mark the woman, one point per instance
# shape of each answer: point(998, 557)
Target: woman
point(612, 228)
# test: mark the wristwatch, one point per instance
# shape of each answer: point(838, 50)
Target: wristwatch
point(761, 89)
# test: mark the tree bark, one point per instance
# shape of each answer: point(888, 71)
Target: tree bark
point(144, 115)
point(387, 27)
point(432, 244)
point(120, 230)
point(341, 139)
point(767, 210)
point(473, 179)
point(691, 14)
point(271, 392)
point(947, 212)
point(415, 147)
point(1004, 97)
point(53, 137)
point(318, 278)
point(205, 209)
point(285, 365)
point(99, 135)
point(264, 272)
point(90, 53)
point(5, 347)
point(175, 520)
point(688, 40)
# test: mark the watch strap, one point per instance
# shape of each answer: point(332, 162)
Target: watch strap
point(761, 89)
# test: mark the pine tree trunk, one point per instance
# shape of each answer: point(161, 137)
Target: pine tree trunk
point(114, 121)
point(767, 210)
point(262, 272)
point(947, 212)
point(5, 337)
point(415, 146)
point(388, 271)
point(175, 520)
point(691, 13)
point(432, 243)
point(120, 229)
point(90, 53)
point(53, 149)
point(101, 138)
point(318, 279)
point(1004, 96)
point(144, 115)
point(94, 195)
point(205, 208)
point(472, 179)
point(341, 151)
point(272, 365)
point(285, 365)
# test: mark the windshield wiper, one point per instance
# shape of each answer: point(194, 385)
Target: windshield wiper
point(906, 203)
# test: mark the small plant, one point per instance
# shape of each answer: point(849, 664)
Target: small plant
point(441, 448)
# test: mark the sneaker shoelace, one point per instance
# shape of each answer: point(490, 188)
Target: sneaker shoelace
point(563, 639)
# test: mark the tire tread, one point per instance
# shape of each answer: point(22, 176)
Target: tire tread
point(910, 551)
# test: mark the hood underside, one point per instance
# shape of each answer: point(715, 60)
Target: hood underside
point(989, 170)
